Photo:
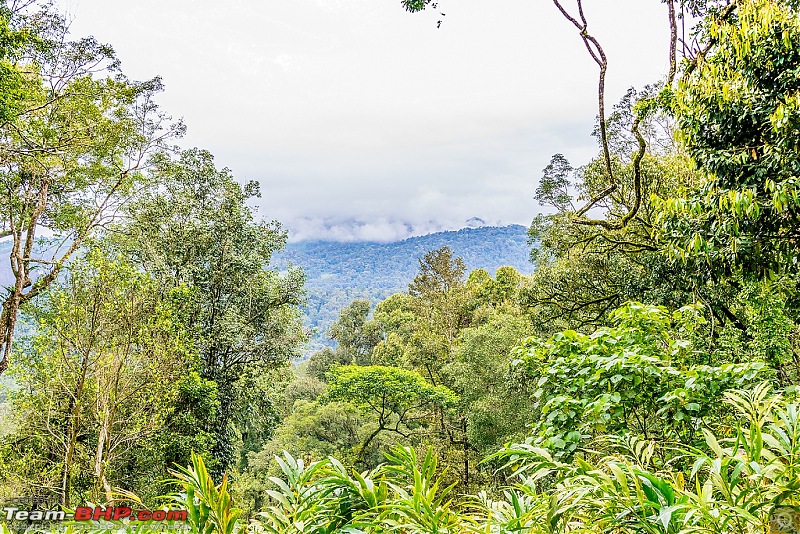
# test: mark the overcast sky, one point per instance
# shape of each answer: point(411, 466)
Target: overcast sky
point(362, 121)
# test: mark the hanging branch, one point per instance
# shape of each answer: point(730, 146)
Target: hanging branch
point(599, 57)
point(673, 42)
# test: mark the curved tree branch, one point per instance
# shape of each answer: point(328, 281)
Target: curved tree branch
point(599, 56)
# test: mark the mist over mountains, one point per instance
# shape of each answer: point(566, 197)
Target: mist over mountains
point(339, 272)
point(375, 229)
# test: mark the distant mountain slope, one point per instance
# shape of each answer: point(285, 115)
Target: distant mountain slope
point(338, 273)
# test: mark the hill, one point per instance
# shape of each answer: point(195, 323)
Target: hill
point(337, 273)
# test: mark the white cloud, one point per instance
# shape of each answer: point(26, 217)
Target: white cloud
point(353, 110)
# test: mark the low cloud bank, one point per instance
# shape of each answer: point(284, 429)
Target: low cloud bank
point(380, 230)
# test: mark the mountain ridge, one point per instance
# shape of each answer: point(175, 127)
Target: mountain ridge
point(339, 272)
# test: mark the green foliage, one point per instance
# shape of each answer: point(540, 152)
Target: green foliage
point(647, 375)
point(736, 481)
point(480, 375)
point(302, 504)
point(315, 431)
point(322, 361)
point(737, 115)
point(76, 138)
point(318, 430)
point(14, 85)
point(210, 508)
point(354, 335)
point(302, 388)
point(583, 271)
point(731, 484)
point(398, 390)
point(194, 405)
point(415, 5)
point(458, 337)
point(404, 494)
point(439, 272)
point(96, 384)
point(195, 229)
point(555, 184)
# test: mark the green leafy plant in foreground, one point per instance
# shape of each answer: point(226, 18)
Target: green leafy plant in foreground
point(210, 507)
point(650, 373)
point(732, 484)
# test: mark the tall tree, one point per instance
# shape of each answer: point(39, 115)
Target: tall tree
point(97, 378)
point(439, 298)
point(355, 335)
point(73, 144)
point(195, 229)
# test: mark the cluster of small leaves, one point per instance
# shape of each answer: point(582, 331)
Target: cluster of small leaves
point(414, 6)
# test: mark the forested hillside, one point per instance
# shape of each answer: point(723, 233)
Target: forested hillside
point(338, 273)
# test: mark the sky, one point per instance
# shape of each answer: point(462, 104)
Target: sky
point(364, 122)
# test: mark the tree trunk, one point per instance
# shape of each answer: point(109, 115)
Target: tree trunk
point(73, 414)
point(466, 453)
point(99, 460)
point(8, 320)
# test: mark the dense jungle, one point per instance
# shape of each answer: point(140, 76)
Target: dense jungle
point(643, 379)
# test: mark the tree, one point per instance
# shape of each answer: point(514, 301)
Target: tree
point(397, 398)
point(324, 360)
point(439, 300)
point(555, 185)
point(354, 334)
point(438, 273)
point(585, 271)
point(491, 405)
point(194, 229)
point(98, 378)
point(355, 337)
point(737, 115)
point(73, 144)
